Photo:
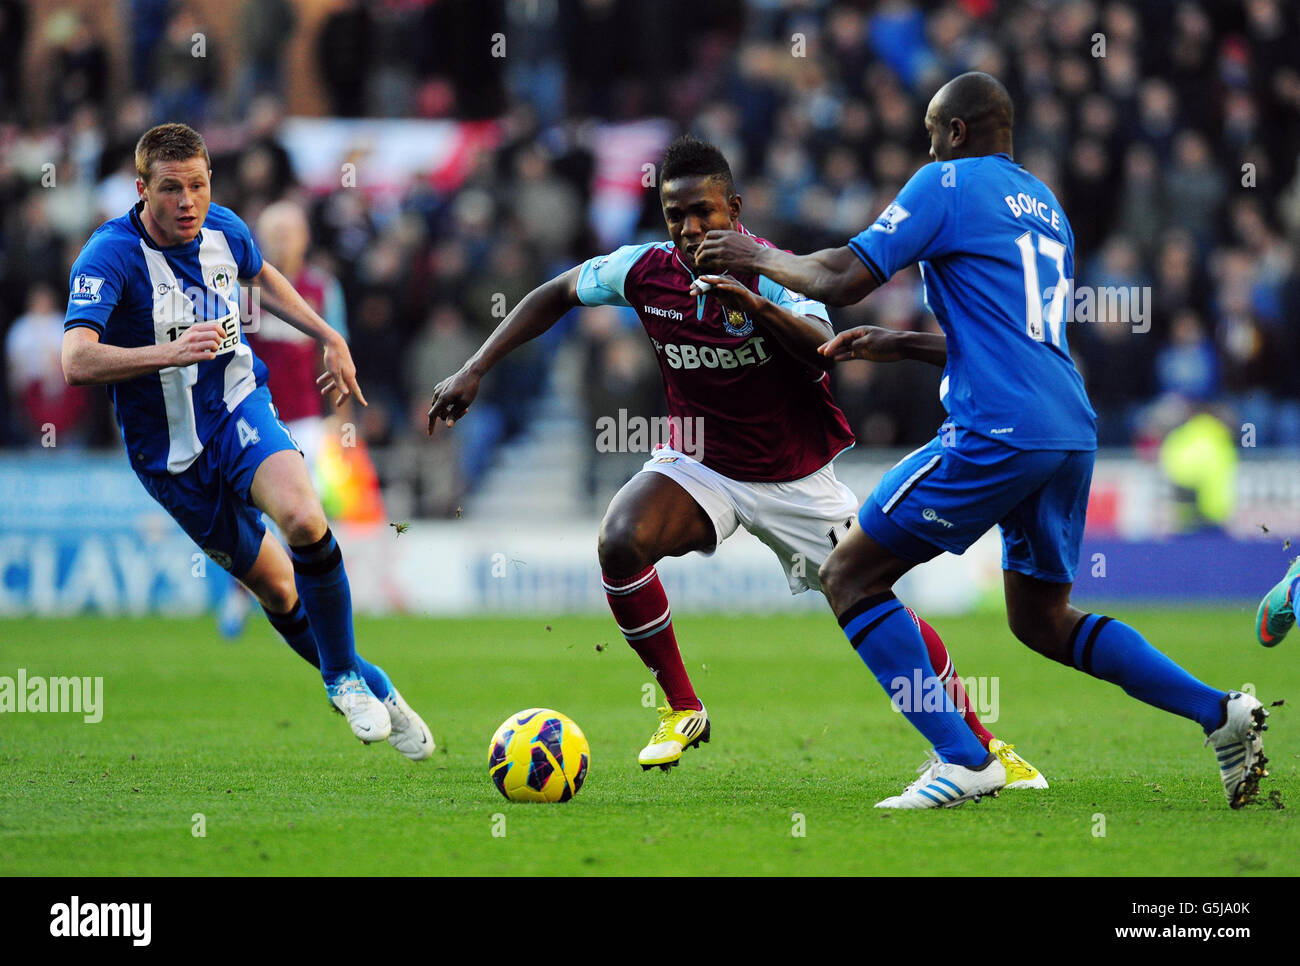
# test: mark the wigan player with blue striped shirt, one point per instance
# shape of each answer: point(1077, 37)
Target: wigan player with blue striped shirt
point(154, 315)
point(996, 255)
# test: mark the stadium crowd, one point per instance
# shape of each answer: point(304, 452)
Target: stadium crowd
point(1170, 129)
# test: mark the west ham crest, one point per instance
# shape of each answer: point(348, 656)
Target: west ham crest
point(736, 323)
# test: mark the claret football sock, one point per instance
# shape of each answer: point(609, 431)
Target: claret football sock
point(295, 628)
point(941, 663)
point(641, 610)
point(1113, 651)
point(327, 597)
point(889, 642)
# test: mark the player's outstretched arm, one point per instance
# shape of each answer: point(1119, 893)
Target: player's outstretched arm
point(536, 312)
point(835, 276)
point(800, 335)
point(89, 362)
point(876, 344)
point(340, 375)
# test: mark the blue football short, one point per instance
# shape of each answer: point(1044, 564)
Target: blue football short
point(950, 492)
point(211, 499)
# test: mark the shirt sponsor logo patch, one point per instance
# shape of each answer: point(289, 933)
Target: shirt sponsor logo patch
point(85, 288)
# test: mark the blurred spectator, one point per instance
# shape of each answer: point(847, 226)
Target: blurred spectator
point(147, 25)
point(265, 28)
point(1193, 188)
point(13, 38)
point(548, 208)
point(1188, 366)
point(1141, 212)
point(1200, 459)
point(80, 64)
point(47, 410)
point(184, 69)
point(293, 359)
point(343, 57)
point(1180, 279)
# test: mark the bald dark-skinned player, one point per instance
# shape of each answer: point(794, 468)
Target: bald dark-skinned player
point(997, 258)
point(739, 360)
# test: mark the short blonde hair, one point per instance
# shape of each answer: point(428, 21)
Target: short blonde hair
point(168, 142)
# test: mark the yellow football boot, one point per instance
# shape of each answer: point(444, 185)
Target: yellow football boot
point(1020, 774)
point(677, 731)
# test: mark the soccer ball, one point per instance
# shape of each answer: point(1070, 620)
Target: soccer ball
point(538, 755)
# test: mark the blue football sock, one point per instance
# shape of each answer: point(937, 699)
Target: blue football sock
point(1113, 651)
point(295, 628)
point(375, 677)
point(890, 644)
point(327, 598)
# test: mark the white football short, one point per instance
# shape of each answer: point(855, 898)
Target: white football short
point(801, 521)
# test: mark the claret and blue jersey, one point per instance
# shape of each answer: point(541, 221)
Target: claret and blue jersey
point(134, 293)
point(766, 417)
point(996, 253)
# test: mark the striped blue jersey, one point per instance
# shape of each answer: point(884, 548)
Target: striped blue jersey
point(134, 293)
point(997, 259)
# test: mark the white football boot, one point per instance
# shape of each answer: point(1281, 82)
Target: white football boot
point(947, 785)
point(410, 735)
point(1240, 749)
point(366, 714)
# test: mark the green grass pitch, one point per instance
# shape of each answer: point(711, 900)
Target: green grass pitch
point(803, 741)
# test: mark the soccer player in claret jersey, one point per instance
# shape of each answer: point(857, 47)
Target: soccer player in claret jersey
point(997, 258)
point(741, 357)
point(154, 315)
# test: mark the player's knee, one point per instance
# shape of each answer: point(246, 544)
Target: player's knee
point(831, 574)
point(1039, 632)
point(303, 524)
point(280, 597)
point(276, 593)
point(623, 547)
point(845, 581)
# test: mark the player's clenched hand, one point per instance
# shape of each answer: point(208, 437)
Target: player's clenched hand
point(730, 251)
point(198, 343)
point(869, 342)
point(728, 291)
point(451, 398)
point(340, 375)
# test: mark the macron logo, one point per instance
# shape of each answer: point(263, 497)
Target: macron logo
point(102, 919)
point(662, 313)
